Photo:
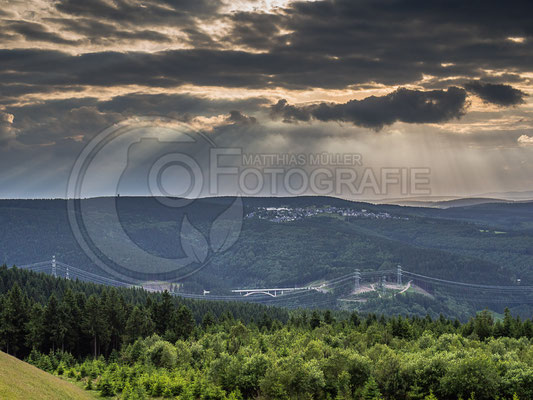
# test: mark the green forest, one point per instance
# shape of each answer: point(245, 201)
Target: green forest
point(130, 344)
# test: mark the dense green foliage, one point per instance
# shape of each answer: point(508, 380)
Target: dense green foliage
point(154, 346)
point(317, 357)
point(38, 311)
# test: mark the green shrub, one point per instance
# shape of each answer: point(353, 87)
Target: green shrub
point(162, 354)
point(371, 390)
point(60, 369)
point(106, 387)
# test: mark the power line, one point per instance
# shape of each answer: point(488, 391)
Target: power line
point(485, 293)
point(470, 285)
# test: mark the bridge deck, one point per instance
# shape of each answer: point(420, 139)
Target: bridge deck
point(268, 290)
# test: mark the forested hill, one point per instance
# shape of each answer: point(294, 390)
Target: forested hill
point(302, 241)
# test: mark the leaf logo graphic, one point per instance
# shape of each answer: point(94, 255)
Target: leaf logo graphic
point(227, 227)
point(193, 242)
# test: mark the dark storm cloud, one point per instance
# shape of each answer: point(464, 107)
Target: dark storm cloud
point(162, 104)
point(163, 69)
point(54, 120)
point(35, 32)
point(207, 67)
point(98, 32)
point(422, 28)
point(10, 93)
point(499, 94)
point(101, 21)
point(437, 83)
point(257, 30)
point(7, 132)
point(327, 44)
point(135, 12)
point(404, 37)
point(7, 36)
point(237, 117)
point(197, 38)
point(402, 105)
point(323, 44)
point(211, 67)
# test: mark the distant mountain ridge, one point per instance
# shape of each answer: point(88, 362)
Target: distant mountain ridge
point(486, 243)
point(458, 201)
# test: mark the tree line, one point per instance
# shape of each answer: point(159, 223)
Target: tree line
point(132, 345)
point(38, 311)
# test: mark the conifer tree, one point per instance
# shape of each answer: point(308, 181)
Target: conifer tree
point(72, 316)
point(14, 317)
point(185, 323)
point(314, 322)
point(371, 390)
point(93, 322)
point(208, 320)
point(54, 323)
point(163, 313)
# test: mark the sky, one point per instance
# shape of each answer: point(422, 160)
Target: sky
point(442, 85)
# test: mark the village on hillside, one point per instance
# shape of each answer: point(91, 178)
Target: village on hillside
point(288, 214)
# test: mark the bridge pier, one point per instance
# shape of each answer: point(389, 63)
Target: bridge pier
point(54, 266)
point(399, 275)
